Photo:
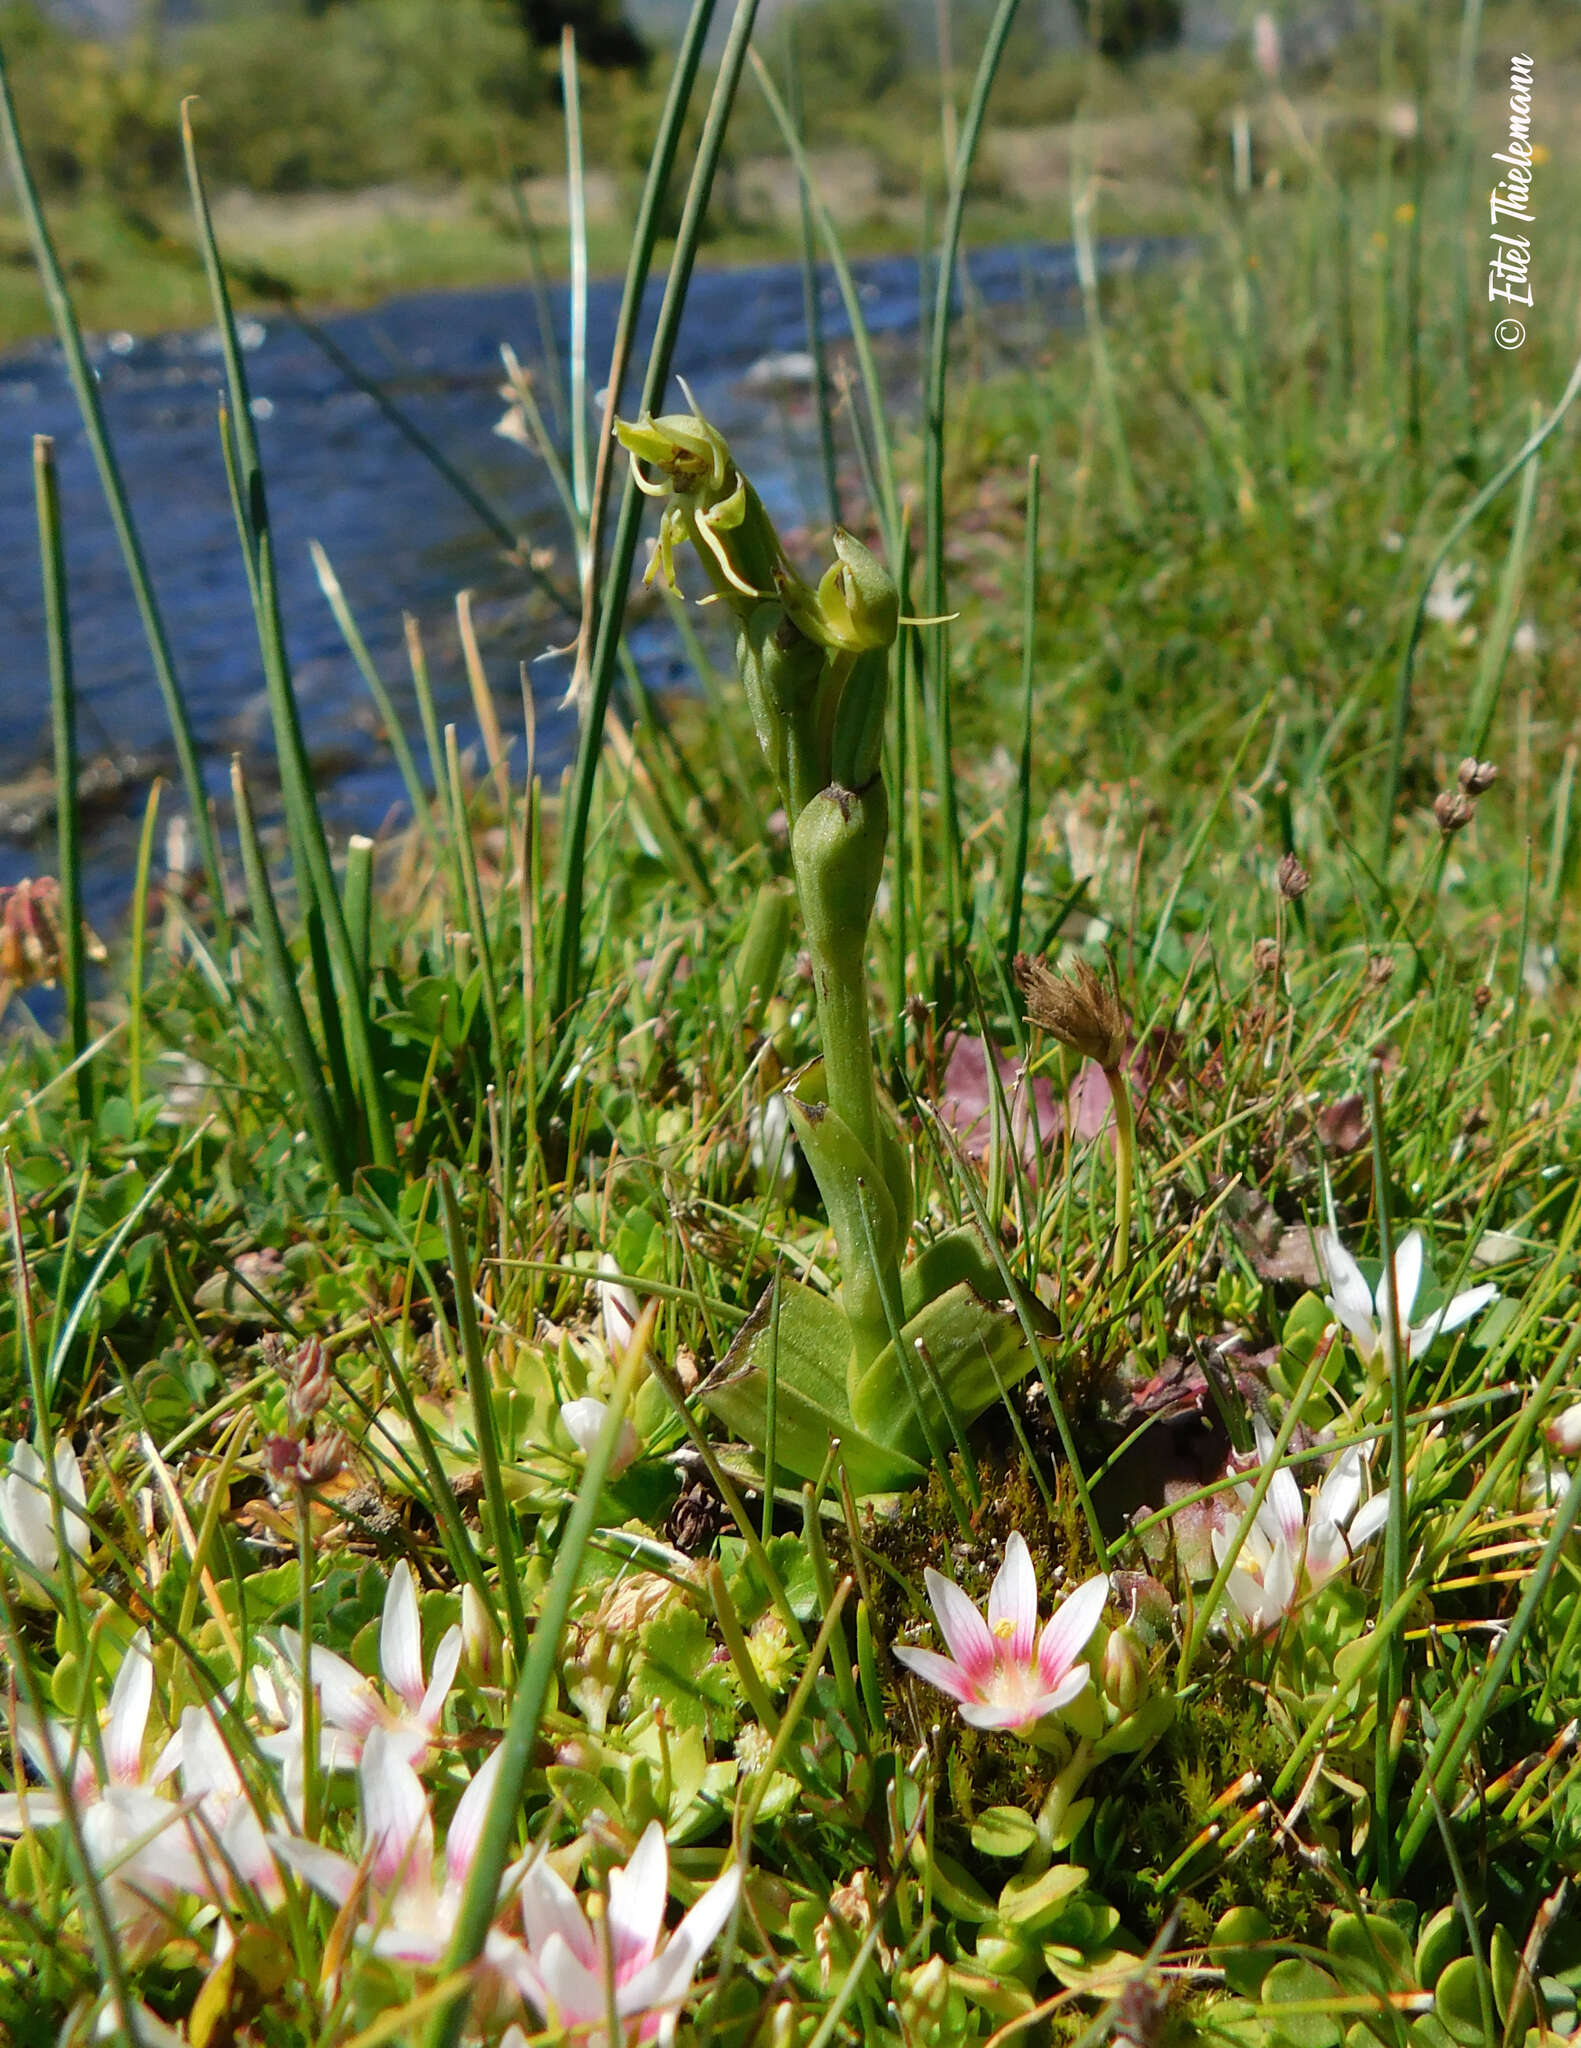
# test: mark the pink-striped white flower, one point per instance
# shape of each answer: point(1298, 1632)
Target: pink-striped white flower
point(142, 1860)
point(1286, 1552)
point(27, 1519)
point(412, 1900)
point(222, 1826)
point(574, 1971)
point(1373, 1316)
point(352, 1706)
point(1001, 1672)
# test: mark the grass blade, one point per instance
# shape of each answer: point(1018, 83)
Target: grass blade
point(568, 937)
point(85, 386)
point(63, 715)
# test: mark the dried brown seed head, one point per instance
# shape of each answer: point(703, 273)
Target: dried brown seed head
point(1078, 1009)
point(1265, 955)
point(1292, 877)
point(1380, 970)
point(1476, 777)
point(1454, 810)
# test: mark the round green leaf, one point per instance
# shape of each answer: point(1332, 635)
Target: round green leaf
point(1305, 1990)
point(1238, 1948)
point(1458, 2002)
point(1003, 1831)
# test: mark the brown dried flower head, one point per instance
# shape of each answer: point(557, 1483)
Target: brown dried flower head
point(1292, 877)
point(1476, 777)
point(1265, 955)
point(1454, 810)
point(1078, 1009)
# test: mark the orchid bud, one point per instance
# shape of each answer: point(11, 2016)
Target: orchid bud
point(838, 847)
point(857, 606)
point(480, 1639)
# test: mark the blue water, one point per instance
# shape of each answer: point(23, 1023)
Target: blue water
point(400, 540)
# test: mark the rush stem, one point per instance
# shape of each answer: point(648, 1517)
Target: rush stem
point(1124, 1165)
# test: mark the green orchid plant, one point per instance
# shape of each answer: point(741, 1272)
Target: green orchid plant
point(912, 1353)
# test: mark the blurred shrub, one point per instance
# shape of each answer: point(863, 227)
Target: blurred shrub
point(94, 115)
point(363, 93)
point(294, 98)
point(1124, 30)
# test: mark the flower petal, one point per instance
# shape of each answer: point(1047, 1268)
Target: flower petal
point(346, 1699)
point(1460, 1310)
point(401, 1638)
point(1403, 1283)
point(466, 1823)
point(395, 1819)
point(447, 1660)
point(637, 1896)
point(668, 1978)
point(966, 1635)
point(550, 1913)
point(1282, 1514)
point(24, 1509)
point(1350, 1297)
point(1066, 1633)
point(575, 1989)
point(74, 1495)
point(130, 1698)
point(1337, 1496)
point(936, 1670)
point(327, 1873)
point(1279, 1584)
point(1369, 1519)
point(1013, 1599)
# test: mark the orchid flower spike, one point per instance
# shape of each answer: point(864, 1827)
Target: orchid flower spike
point(27, 1521)
point(1000, 1672)
point(1287, 1552)
point(1372, 1317)
point(570, 1974)
point(352, 1706)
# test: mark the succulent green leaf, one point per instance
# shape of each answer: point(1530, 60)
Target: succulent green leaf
point(1003, 1831)
point(1457, 2001)
point(1303, 1986)
point(1237, 1948)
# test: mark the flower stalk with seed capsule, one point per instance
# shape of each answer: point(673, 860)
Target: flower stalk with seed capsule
point(1084, 1014)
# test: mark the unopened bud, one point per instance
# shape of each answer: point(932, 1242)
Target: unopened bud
point(925, 2000)
point(1292, 877)
point(585, 1418)
point(324, 1459)
point(1454, 810)
point(480, 1639)
point(311, 1381)
point(1564, 1432)
point(1124, 1670)
point(1476, 777)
